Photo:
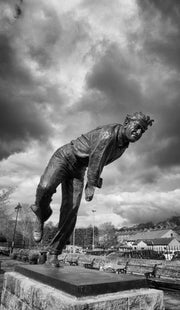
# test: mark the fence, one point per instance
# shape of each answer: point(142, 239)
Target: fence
point(167, 253)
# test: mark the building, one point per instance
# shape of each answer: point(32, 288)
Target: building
point(160, 244)
point(154, 234)
point(163, 244)
point(133, 236)
point(124, 236)
point(139, 245)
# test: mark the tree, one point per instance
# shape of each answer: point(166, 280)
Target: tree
point(84, 237)
point(79, 237)
point(107, 235)
point(148, 225)
point(49, 232)
point(4, 198)
point(25, 225)
point(4, 208)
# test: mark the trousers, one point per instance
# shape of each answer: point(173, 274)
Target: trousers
point(65, 169)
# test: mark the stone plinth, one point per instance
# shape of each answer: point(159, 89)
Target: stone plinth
point(23, 293)
point(80, 282)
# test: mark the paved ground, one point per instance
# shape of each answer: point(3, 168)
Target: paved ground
point(1, 282)
point(172, 300)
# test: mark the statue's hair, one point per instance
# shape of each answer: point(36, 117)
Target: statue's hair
point(144, 120)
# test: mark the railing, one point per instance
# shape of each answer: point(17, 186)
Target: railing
point(168, 253)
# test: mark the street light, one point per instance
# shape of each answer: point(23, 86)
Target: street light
point(74, 237)
point(17, 208)
point(93, 211)
point(152, 245)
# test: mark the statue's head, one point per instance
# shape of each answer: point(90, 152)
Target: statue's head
point(135, 125)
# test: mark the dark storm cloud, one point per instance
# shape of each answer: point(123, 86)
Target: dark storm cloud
point(168, 9)
point(6, 1)
point(58, 38)
point(148, 177)
point(112, 89)
point(160, 146)
point(31, 49)
point(166, 46)
point(160, 39)
point(11, 69)
point(21, 119)
point(112, 75)
point(49, 31)
point(166, 152)
point(20, 122)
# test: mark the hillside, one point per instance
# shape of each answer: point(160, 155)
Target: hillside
point(173, 223)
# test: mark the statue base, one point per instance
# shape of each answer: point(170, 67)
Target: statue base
point(46, 288)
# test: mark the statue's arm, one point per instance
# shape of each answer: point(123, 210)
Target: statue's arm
point(97, 159)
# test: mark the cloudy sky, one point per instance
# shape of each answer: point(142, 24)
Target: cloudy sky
point(69, 66)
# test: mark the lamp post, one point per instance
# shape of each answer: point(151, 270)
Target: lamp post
point(152, 245)
point(74, 237)
point(17, 208)
point(93, 211)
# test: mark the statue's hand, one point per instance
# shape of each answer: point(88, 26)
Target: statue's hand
point(89, 192)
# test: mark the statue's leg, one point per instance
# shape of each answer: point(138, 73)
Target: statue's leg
point(66, 201)
point(52, 177)
point(72, 194)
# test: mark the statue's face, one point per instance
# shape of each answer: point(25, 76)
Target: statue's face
point(133, 131)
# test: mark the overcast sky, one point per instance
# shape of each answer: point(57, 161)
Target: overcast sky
point(67, 67)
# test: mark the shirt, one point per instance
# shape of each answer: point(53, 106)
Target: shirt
point(99, 148)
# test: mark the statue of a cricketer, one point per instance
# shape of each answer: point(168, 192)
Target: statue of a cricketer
point(67, 166)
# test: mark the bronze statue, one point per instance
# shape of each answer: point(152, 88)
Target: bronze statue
point(67, 166)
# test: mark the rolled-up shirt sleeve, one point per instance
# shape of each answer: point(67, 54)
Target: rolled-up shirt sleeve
point(98, 156)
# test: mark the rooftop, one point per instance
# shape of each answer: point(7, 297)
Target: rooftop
point(150, 234)
point(159, 241)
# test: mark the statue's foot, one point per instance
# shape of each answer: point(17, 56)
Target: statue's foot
point(38, 230)
point(42, 216)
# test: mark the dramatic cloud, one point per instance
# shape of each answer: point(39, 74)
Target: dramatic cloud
point(68, 67)
point(21, 115)
point(160, 40)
